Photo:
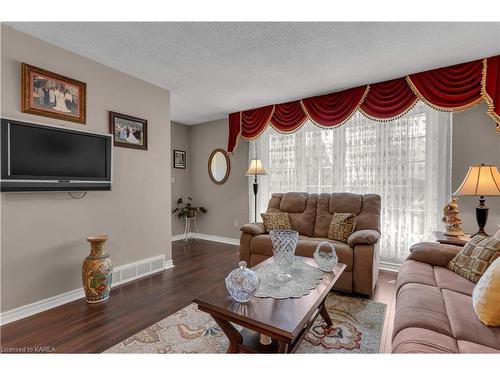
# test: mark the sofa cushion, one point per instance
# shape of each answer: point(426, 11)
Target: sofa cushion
point(276, 220)
point(293, 202)
point(323, 216)
point(470, 347)
point(446, 279)
point(419, 340)
point(301, 209)
point(421, 306)
point(345, 202)
point(328, 204)
point(476, 256)
point(341, 226)
point(366, 207)
point(274, 202)
point(412, 271)
point(465, 324)
point(305, 247)
point(486, 296)
point(369, 216)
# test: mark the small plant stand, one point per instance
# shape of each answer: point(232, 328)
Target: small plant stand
point(190, 223)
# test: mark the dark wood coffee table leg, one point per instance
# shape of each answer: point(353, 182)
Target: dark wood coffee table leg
point(235, 338)
point(324, 314)
point(282, 347)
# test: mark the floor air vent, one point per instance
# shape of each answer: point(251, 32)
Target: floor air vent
point(135, 270)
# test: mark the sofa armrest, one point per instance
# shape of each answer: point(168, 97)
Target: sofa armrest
point(433, 253)
point(365, 268)
point(253, 228)
point(364, 236)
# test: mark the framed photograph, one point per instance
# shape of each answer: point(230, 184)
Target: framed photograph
point(128, 131)
point(180, 159)
point(52, 95)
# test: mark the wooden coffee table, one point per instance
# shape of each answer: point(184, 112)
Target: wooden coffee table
point(286, 321)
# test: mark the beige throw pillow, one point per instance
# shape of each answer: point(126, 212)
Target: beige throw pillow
point(486, 296)
point(475, 257)
point(278, 220)
point(341, 226)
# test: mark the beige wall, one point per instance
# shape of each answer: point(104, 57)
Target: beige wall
point(474, 142)
point(226, 203)
point(180, 177)
point(43, 235)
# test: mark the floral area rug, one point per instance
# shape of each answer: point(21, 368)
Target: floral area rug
point(357, 328)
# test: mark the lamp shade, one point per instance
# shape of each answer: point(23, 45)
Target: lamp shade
point(255, 168)
point(480, 180)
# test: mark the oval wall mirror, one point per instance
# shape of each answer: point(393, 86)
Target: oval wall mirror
point(219, 166)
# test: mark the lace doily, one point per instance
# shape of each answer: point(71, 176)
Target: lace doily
point(304, 279)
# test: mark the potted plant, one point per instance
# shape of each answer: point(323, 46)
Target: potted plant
point(187, 209)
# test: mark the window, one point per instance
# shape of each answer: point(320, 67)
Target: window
point(406, 161)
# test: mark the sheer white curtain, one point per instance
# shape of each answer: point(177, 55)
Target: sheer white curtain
point(406, 161)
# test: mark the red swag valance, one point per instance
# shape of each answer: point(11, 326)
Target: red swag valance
point(454, 88)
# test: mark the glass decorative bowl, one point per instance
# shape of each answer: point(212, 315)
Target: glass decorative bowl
point(242, 283)
point(326, 260)
point(284, 244)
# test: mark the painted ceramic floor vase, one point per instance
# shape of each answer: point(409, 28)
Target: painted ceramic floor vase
point(97, 271)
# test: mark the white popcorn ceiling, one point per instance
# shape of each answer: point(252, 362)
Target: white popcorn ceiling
point(212, 69)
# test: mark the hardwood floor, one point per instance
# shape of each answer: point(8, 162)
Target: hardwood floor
point(385, 292)
point(78, 327)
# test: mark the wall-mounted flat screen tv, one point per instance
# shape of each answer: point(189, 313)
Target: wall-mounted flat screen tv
point(46, 158)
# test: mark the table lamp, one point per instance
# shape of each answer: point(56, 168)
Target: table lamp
point(255, 169)
point(481, 180)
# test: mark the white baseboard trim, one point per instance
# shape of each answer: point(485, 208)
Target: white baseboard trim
point(122, 274)
point(177, 237)
point(387, 266)
point(39, 306)
point(209, 237)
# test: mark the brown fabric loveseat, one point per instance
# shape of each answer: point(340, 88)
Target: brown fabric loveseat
point(310, 215)
point(434, 312)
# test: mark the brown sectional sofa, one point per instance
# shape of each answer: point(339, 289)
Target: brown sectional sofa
point(434, 312)
point(310, 215)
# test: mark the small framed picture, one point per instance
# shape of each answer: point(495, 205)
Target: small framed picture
point(50, 94)
point(128, 131)
point(180, 159)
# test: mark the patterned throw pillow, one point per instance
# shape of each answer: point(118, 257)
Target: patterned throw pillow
point(341, 226)
point(278, 220)
point(486, 296)
point(476, 256)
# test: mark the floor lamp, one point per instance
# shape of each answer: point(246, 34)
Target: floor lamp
point(481, 180)
point(255, 169)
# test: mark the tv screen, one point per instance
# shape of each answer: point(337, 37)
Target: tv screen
point(35, 156)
